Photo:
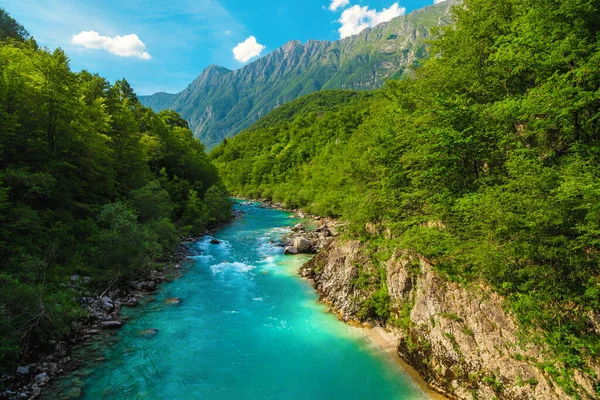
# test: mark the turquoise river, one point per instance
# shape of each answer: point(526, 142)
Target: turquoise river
point(247, 327)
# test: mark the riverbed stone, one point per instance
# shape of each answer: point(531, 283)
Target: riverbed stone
point(147, 333)
point(174, 301)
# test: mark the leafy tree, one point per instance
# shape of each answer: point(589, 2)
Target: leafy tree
point(91, 183)
point(151, 202)
point(10, 28)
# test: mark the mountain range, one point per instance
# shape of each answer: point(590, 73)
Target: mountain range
point(220, 102)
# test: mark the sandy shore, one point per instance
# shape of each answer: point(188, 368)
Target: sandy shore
point(381, 341)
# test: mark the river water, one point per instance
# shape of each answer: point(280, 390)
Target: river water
point(247, 327)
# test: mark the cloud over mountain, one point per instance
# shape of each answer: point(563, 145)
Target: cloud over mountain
point(247, 49)
point(356, 18)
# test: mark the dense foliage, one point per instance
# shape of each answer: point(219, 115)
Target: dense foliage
point(486, 162)
point(91, 184)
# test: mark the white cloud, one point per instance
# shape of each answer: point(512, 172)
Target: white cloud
point(356, 19)
point(247, 49)
point(122, 46)
point(335, 4)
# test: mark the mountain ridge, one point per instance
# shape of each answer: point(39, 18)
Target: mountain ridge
point(221, 102)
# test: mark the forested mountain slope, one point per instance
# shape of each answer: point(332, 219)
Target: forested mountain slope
point(485, 165)
point(220, 102)
point(92, 184)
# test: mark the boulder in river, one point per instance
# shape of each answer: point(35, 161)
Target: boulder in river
point(214, 241)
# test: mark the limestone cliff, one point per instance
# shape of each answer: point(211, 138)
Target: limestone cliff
point(459, 338)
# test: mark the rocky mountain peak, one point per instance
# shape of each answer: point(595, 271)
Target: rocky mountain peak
point(239, 98)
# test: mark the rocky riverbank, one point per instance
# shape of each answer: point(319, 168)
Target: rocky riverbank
point(102, 314)
point(460, 339)
point(303, 239)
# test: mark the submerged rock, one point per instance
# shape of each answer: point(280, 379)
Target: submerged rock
point(173, 301)
point(147, 333)
point(214, 241)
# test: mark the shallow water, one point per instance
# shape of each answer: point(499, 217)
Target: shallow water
point(247, 328)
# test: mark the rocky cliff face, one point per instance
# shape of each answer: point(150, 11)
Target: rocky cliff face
point(460, 339)
point(221, 102)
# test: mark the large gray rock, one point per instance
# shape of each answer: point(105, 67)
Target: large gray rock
point(290, 250)
point(107, 304)
point(303, 244)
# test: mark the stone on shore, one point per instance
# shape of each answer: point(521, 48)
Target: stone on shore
point(298, 228)
point(23, 370)
point(111, 324)
point(290, 250)
point(148, 286)
point(131, 302)
point(302, 244)
point(41, 379)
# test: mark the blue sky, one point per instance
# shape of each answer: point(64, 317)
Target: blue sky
point(163, 46)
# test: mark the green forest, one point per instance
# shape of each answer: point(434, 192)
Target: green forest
point(485, 161)
point(91, 183)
